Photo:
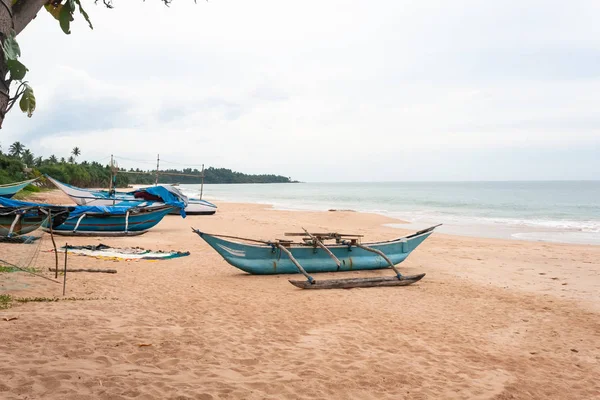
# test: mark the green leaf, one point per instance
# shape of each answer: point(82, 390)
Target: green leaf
point(85, 15)
point(11, 47)
point(65, 16)
point(27, 102)
point(54, 11)
point(17, 70)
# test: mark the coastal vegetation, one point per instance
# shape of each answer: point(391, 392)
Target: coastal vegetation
point(20, 164)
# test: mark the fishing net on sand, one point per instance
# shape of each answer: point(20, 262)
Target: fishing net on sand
point(105, 252)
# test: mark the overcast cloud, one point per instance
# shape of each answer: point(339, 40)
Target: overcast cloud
point(323, 90)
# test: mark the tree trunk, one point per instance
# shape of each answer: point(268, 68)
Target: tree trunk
point(13, 17)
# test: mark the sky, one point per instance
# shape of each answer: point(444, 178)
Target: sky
point(319, 91)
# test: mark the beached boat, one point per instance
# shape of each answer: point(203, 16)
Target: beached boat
point(312, 255)
point(200, 207)
point(111, 220)
point(9, 190)
point(160, 193)
point(18, 218)
point(88, 220)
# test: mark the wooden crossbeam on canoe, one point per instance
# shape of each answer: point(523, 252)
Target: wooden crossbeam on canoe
point(332, 235)
point(317, 242)
point(358, 282)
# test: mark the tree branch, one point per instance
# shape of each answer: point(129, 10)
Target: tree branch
point(24, 11)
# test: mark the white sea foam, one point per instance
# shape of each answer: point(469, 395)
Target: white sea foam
point(552, 211)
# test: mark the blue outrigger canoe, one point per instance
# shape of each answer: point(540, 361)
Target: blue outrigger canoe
point(9, 190)
point(16, 221)
point(124, 220)
point(111, 220)
point(311, 256)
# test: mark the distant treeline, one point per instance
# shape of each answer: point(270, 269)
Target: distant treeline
point(20, 164)
point(211, 175)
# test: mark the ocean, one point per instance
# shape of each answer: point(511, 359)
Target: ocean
point(549, 211)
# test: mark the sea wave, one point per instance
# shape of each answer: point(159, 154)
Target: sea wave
point(474, 208)
point(591, 226)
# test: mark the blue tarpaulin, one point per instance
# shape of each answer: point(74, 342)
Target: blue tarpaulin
point(167, 194)
point(154, 194)
point(23, 204)
point(74, 211)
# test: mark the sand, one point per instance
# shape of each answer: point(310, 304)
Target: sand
point(492, 319)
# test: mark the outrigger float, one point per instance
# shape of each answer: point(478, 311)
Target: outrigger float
point(313, 255)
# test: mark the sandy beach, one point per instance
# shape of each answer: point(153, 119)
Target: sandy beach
point(492, 319)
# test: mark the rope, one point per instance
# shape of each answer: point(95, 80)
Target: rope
point(36, 253)
point(29, 272)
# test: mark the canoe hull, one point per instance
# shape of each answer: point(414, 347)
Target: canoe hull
point(266, 260)
point(198, 207)
point(115, 223)
point(79, 233)
point(8, 191)
point(84, 197)
point(28, 222)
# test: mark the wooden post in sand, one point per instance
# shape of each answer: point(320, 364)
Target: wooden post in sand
point(65, 272)
point(54, 245)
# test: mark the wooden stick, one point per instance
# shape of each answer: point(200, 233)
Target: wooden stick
point(231, 237)
point(296, 263)
point(53, 244)
point(65, 272)
point(29, 272)
point(321, 245)
point(107, 271)
point(329, 234)
point(398, 274)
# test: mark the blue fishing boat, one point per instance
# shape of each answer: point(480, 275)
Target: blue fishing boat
point(9, 190)
point(111, 220)
point(19, 218)
point(159, 193)
point(94, 220)
point(313, 255)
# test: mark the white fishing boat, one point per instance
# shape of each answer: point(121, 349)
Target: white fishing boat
point(84, 197)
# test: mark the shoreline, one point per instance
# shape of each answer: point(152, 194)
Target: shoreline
point(458, 230)
point(56, 196)
point(491, 319)
point(536, 212)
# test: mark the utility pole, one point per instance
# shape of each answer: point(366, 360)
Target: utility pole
point(113, 180)
point(157, 166)
point(110, 183)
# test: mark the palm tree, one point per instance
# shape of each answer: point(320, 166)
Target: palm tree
point(76, 152)
point(71, 159)
point(38, 161)
point(27, 157)
point(52, 159)
point(62, 160)
point(16, 149)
